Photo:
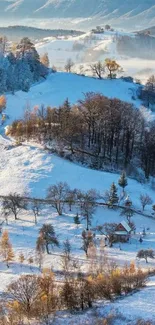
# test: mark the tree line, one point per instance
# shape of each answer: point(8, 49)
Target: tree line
point(141, 46)
point(97, 131)
point(38, 297)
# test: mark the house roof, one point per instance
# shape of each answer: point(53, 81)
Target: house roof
point(126, 226)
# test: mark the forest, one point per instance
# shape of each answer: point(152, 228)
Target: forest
point(142, 45)
point(97, 131)
point(20, 66)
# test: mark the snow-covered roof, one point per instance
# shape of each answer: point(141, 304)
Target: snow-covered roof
point(126, 226)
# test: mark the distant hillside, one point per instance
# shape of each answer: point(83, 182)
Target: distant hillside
point(14, 33)
point(151, 30)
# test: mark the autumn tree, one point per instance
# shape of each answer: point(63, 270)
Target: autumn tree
point(48, 301)
point(113, 68)
point(44, 59)
point(6, 248)
point(46, 238)
point(2, 103)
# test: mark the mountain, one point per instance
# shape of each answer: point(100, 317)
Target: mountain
point(15, 33)
point(119, 12)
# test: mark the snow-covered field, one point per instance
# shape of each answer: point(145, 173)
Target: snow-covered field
point(59, 86)
point(94, 47)
point(28, 168)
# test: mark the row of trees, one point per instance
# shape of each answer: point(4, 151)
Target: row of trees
point(99, 69)
point(142, 46)
point(39, 297)
point(147, 93)
point(21, 68)
point(61, 195)
point(98, 131)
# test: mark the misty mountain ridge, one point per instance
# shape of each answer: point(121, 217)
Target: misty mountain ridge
point(119, 12)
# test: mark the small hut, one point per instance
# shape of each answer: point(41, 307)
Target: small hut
point(122, 232)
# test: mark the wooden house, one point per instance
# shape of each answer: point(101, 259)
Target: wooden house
point(122, 232)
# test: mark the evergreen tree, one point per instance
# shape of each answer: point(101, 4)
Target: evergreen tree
point(113, 197)
point(128, 213)
point(21, 258)
point(123, 181)
point(6, 248)
point(77, 219)
point(47, 237)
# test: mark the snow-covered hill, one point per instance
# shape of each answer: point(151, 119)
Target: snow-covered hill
point(89, 48)
point(120, 12)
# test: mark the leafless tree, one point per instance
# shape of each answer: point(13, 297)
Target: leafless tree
point(146, 253)
point(88, 205)
point(145, 200)
point(36, 207)
point(69, 65)
point(98, 69)
point(108, 229)
point(25, 292)
point(58, 195)
point(14, 203)
point(88, 239)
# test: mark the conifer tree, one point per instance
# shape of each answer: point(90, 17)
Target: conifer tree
point(6, 248)
point(122, 182)
point(113, 197)
point(21, 258)
point(77, 219)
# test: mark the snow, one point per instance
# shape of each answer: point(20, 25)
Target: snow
point(95, 47)
point(30, 169)
point(59, 86)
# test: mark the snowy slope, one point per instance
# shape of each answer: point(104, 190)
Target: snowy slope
point(28, 168)
point(94, 47)
point(60, 86)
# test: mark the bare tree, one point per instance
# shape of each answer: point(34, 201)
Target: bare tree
point(88, 205)
point(88, 239)
point(14, 203)
point(36, 207)
point(98, 69)
point(58, 194)
point(146, 253)
point(145, 200)
point(25, 292)
point(108, 229)
point(69, 65)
